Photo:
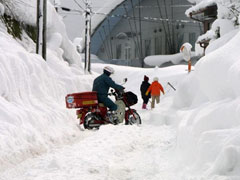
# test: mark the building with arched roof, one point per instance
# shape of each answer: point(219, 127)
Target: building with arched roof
point(139, 28)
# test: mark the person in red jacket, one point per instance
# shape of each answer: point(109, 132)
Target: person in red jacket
point(155, 88)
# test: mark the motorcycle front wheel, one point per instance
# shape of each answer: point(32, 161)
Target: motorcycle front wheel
point(133, 118)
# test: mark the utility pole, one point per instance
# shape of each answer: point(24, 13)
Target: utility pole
point(87, 37)
point(41, 45)
point(87, 10)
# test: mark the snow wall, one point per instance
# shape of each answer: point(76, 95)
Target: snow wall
point(33, 114)
point(208, 103)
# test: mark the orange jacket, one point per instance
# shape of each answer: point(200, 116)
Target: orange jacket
point(155, 89)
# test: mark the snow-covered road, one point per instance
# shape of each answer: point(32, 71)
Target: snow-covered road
point(113, 152)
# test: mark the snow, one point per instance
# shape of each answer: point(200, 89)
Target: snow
point(226, 22)
point(158, 60)
point(220, 27)
point(219, 42)
point(211, 129)
point(200, 4)
point(120, 159)
point(30, 96)
point(1, 9)
point(26, 12)
point(192, 134)
point(186, 51)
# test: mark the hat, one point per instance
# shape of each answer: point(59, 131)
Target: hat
point(146, 78)
point(155, 79)
point(108, 69)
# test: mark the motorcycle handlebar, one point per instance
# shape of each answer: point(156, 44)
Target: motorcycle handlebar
point(116, 92)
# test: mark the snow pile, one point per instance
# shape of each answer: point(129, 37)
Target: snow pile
point(158, 60)
point(33, 114)
point(208, 132)
point(227, 18)
point(26, 12)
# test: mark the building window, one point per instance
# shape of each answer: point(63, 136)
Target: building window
point(147, 47)
point(118, 51)
point(192, 39)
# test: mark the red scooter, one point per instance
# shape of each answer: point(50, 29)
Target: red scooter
point(93, 114)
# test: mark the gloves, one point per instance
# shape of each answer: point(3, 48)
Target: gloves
point(147, 93)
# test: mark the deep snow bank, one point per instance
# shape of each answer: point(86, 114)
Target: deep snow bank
point(33, 116)
point(209, 112)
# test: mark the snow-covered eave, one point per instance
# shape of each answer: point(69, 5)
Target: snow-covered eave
point(200, 7)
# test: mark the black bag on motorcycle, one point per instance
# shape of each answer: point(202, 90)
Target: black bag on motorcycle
point(131, 98)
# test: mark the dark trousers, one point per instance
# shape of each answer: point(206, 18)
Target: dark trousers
point(145, 99)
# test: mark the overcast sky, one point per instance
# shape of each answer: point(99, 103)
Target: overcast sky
point(74, 21)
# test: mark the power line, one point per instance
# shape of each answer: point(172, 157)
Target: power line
point(144, 18)
point(136, 7)
point(79, 5)
point(147, 18)
point(137, 18)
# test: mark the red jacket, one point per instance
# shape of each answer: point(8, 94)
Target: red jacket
point(155, 89)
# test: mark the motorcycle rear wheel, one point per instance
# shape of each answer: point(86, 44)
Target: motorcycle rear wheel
point(134, 119)
point(89, 121)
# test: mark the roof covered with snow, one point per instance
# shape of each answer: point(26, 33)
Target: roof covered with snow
point(200, 6)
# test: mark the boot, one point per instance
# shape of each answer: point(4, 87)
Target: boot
point(112, 117)
point(144, 106)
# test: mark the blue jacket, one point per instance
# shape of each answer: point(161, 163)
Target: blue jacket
point(102, 84)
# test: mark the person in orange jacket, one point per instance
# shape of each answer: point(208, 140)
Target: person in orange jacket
point(155, 88)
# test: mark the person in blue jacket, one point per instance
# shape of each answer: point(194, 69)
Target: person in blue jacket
point(102, 84)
